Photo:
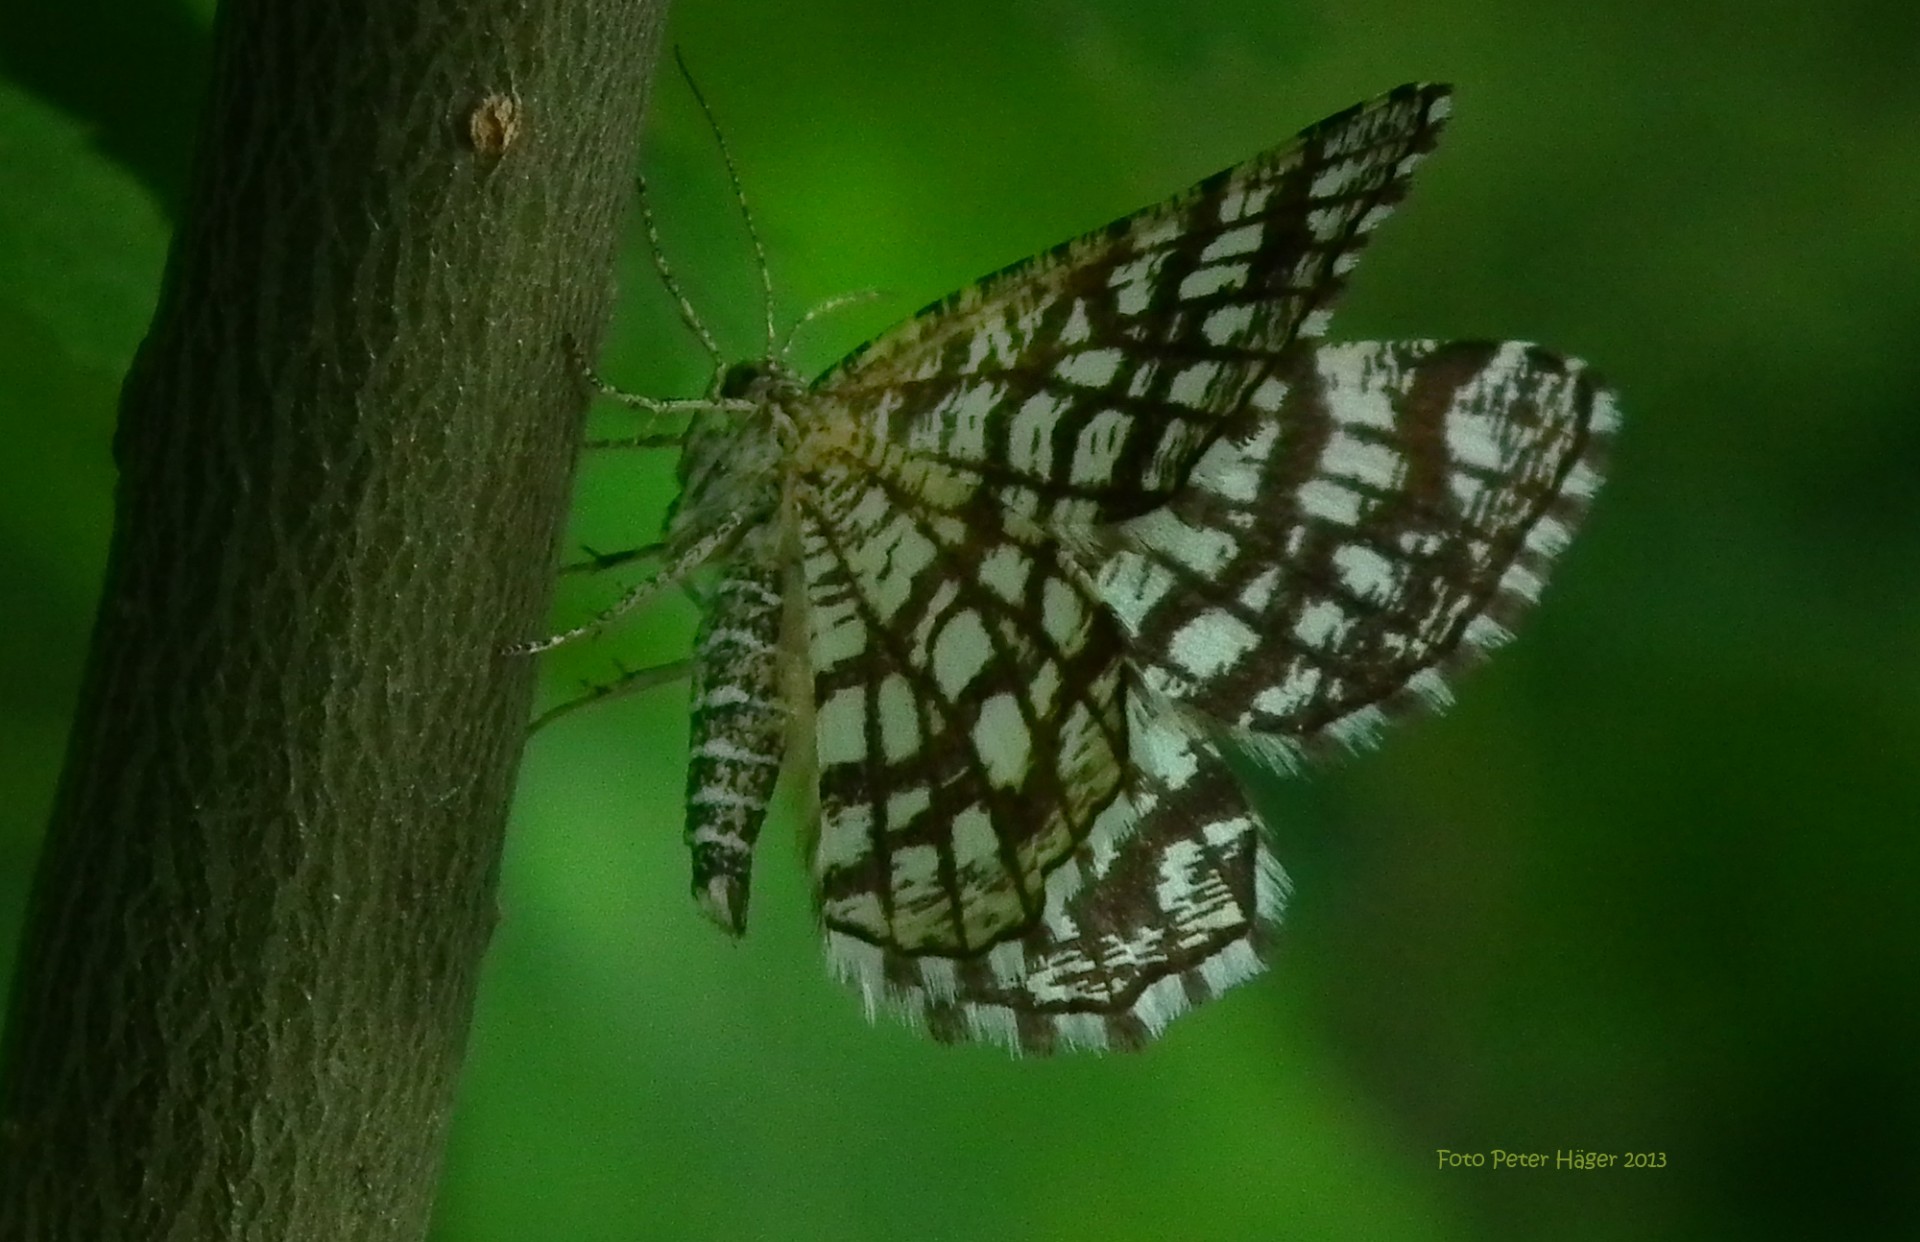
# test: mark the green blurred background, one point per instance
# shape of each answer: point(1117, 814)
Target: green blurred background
point(1650, 887)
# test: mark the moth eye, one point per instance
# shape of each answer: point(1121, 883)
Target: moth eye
point(740, 379)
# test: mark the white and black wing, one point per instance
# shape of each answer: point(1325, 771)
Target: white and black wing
point(1375, 514)
point(1079, 384)
point(1061, 531)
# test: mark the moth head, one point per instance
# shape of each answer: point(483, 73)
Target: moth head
point(762, 379)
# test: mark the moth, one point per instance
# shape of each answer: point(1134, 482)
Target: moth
point(1003, 583)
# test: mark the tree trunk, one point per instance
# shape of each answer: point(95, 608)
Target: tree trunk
point(345, 451)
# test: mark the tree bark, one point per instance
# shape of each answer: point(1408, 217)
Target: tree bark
point(345, 451)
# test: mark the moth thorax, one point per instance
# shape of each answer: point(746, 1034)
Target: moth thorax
point(730, 459)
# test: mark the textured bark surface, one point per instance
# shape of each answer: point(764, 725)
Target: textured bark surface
point(344, 456)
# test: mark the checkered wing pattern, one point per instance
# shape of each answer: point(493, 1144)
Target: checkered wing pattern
point(1016, 841)
point(1375, 514)
point(1170, 905)
point(1038, 524)
point(1080, 384)
point(969, 722)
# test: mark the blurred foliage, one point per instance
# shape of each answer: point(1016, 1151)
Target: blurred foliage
point(1650, 887)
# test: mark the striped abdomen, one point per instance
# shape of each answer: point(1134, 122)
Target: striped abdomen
point(739, 735)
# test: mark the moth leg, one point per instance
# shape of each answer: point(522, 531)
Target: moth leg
point(659, 407)
point(675, 405)
point(682, 562)
point(630, 681)
point(599, 562)
point(641, 440)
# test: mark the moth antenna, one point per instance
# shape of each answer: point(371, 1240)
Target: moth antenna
point(660, 265)
point(739, 194)
point(839, 301)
